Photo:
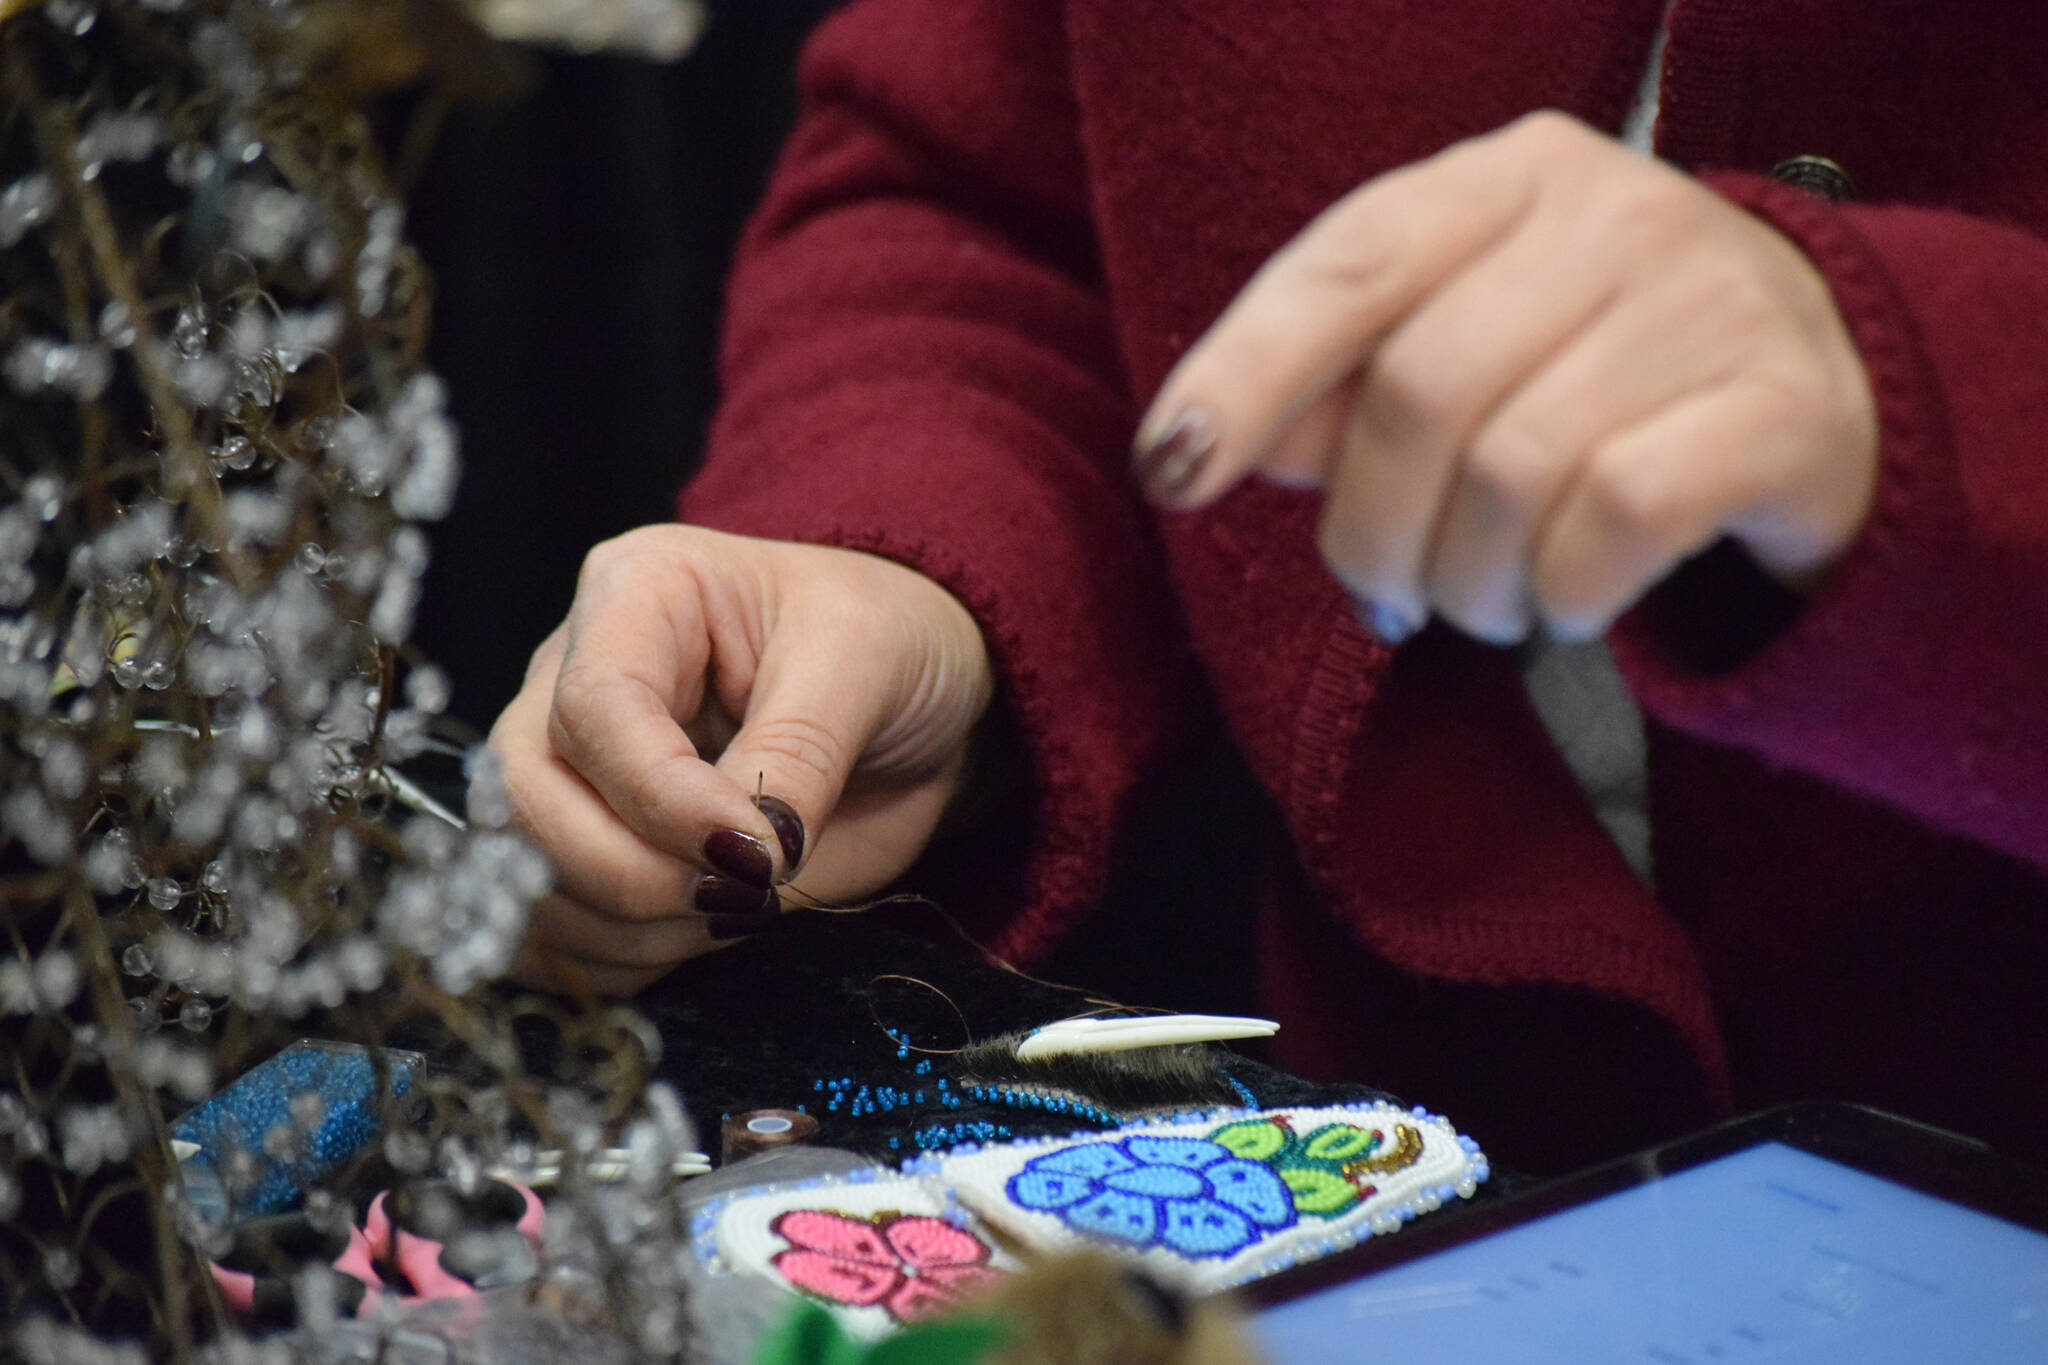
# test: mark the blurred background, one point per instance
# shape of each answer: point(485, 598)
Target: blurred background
point(579, 236)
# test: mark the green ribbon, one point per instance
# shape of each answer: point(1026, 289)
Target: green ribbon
point(809, 1335)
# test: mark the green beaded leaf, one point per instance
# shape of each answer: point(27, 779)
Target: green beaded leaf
point(1340, 1142)
point(1252, 1139)
point(1319, 1192)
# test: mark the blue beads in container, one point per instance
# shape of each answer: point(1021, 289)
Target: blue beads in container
point(341, 1118)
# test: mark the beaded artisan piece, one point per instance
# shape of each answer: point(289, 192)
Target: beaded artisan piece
point(877, 1248)
point(916, 1089)
point(1215, 1200)
point(1046, 1100)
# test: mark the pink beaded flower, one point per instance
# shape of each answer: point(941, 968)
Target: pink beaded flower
point(908, 1264)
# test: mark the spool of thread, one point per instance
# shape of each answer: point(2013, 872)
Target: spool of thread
point(757, 1130)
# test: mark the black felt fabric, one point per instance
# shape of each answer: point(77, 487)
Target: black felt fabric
point(774, 1021)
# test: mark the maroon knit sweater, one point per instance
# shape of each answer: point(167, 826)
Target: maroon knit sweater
point(1000, 222)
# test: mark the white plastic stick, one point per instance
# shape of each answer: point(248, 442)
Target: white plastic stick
point(1124, 1035)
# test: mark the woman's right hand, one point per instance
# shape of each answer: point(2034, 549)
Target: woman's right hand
point(696, 672)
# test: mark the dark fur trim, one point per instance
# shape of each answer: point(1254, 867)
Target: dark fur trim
point(1178, 1076)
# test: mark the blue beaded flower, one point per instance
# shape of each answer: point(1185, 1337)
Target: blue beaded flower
point(1186, 1194)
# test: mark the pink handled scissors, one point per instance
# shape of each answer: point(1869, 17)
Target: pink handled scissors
point(423, 1236)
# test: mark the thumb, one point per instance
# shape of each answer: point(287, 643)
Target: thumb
point(809, 716)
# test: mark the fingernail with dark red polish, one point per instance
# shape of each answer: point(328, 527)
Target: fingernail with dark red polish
point(722, 897)
point(733, 909)
point(789, 831)
point(1168, 464)
point(741, 857)
point(722, 927)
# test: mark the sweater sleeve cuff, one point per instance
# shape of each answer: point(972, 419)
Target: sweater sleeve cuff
point(1720, 649)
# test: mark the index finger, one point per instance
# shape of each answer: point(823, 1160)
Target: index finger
point(1313, 314)
point(638, 655)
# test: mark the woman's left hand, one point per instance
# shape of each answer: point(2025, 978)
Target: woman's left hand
point(1533, 373)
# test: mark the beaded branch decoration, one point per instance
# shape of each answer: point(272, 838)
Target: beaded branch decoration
point(1212, 1201)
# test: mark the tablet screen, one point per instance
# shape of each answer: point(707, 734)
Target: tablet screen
point(1768, 1254)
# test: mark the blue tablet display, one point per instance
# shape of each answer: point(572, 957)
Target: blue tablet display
point(1770, 1254)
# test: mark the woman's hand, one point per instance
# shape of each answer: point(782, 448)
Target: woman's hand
point(1533, 373)
point(696, 672)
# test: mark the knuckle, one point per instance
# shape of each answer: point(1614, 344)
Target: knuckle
point(1358, 265)
point(1363, 247)
point(1548, 133)
point(624, 555)
point(541, 663)
point(1405, 394)
point(600, 561)
point(814, 750)
point(1742, 302)
point(1659, 210)
point(1631, 500)
point(1507, 469)
point(1792, 395)
point(577, 712)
